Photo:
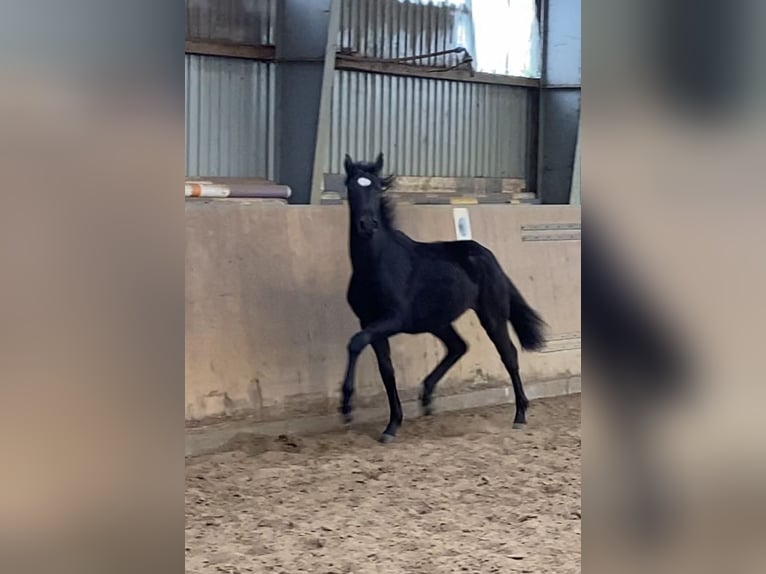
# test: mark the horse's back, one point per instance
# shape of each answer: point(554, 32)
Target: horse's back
point(469, 256)
point(445, 283)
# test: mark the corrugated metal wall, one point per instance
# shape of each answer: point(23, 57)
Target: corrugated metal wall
point(229, 117)
point(237, 21)
point(230, 102)
point(426, 127)
point(396, 28)
point(429, 127)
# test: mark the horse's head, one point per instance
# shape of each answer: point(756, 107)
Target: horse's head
point(365, 187)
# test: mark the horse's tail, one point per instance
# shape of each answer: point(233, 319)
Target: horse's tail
point(527, 322)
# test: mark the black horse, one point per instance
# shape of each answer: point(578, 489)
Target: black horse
point(404, 286)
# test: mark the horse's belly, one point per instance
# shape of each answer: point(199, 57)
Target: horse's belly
point(441, 303)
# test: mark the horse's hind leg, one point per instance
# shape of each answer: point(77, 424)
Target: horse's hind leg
point(383, 353)
point(498, 333)
point(456, 348)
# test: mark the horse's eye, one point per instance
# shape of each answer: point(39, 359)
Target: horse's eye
point(364, 182)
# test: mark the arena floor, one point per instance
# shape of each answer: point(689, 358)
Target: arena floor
point(457, 492)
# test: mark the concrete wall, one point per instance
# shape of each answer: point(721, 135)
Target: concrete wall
point(267, 322)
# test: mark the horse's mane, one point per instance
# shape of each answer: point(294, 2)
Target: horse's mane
point(387, 203)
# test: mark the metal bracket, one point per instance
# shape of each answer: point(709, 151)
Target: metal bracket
point(550, 226)
point(551, 232)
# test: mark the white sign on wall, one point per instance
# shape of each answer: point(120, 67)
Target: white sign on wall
point(462, 224)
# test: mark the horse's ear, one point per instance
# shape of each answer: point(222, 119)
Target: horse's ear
point(348, 165)
point(378, 164)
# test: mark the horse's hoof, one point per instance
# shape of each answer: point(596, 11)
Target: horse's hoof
point(386, 438)
point(346, 418)
point(519, 425)
point(427, 410)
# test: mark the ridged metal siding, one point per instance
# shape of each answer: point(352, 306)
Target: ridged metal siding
point(396, 28)
point(239, 21)
point(429, 127)
point(229, 117)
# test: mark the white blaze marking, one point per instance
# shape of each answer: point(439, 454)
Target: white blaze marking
point(364, 182)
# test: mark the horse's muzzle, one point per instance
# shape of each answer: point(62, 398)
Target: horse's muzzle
point(366, 225)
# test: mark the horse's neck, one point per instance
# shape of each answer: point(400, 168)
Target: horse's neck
point(366, 254)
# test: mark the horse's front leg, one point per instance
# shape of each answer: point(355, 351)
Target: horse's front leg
point(372, 333)
point(383, 354)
